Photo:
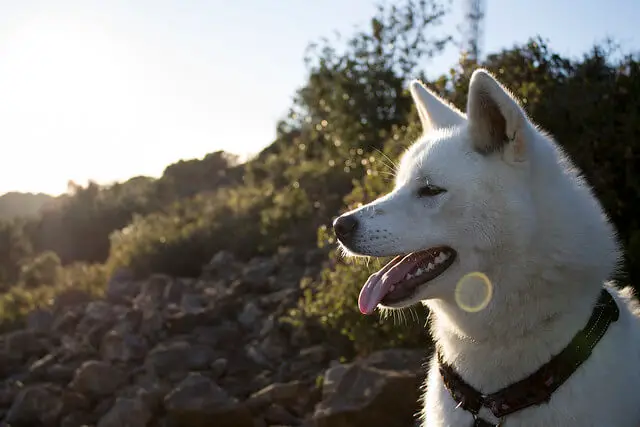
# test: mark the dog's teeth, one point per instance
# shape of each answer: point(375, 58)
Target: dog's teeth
point(419, 272)
point(392, 288)
point(430, 266)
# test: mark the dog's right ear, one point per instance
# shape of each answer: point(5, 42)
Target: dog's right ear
point(496, 120)
point(434, 111)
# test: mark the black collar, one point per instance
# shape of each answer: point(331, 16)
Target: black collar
point(537, 388)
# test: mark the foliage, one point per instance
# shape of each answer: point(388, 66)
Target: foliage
point(15, 248)
point(20, 300)
point(44, 269)
point(182, 239)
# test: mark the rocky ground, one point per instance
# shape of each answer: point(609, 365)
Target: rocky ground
point(197, 352)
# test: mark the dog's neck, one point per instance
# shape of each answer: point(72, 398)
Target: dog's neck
point(512, 337)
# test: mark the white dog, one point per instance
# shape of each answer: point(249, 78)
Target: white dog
point(495, 231)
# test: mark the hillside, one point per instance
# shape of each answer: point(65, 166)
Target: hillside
point(219, 270)
point(14, 204)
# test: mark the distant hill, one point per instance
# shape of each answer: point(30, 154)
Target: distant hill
point(16, 204)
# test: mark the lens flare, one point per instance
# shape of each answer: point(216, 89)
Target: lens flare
point(473, 292)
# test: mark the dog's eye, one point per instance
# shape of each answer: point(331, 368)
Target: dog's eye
point(430, 191)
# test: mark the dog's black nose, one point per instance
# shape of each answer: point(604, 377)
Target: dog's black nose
point(344, 226)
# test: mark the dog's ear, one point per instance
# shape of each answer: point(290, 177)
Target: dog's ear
point(434, 111)
point(496, 120)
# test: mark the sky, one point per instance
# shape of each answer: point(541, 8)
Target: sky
point(106, 90)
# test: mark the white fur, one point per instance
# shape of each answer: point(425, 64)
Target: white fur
point(519, 212)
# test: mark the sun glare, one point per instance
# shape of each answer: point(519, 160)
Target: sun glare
point(63, 66)
point(60, 81)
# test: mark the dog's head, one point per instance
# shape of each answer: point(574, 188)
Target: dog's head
point(485, 192)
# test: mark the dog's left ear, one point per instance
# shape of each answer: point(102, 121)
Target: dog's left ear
point(496, 120)
point(434, 111)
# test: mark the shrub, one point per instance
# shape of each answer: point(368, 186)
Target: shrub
point(18, 301)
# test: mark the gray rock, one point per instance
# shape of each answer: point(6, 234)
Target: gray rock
point(198, 401)
point(21, 345)
point(174, 360)
point(42, 404)
point(97, 379)
point(127, 412)
point(285, 394)
point(249, 315)
point(123, 347)
point(368, 396)
point(121, 286)
point(40, 321)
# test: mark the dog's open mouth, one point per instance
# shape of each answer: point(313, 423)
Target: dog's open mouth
point(399, 279)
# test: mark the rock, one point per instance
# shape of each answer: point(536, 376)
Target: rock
point(42, 364)
point(219, 263)
point(99, 312)
point(97, 379)
point(126, 412)
point(398, 359)
point(256, 274)
point(227, 334)
point(316, 354)
point(69, 299)
point(257, 356)
point(315, 256)
point(121, 287)
point(67, 322)
point(155, 287)
point(206, 335)
point(249, 315)
point(40, 321)
point(152, 323)
point(276, 414)
point(8, 391)
point(173, 292)
point(76, 419)
point(192, 303)
point(184, 322)
point(332, 378)
point(373, 397)
point(197, 401)
point(42, 404)
point(128, 321)
point(149, 393)
point(102, 408)
point(278, 297)
point(174, 360)
point(21, 345)
point(285, 394)
point(219, 367)
point(60, 374)
point(123, 347)
point(274, 346)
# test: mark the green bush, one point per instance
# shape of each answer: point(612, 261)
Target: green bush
point(44, 269)
point(182, 239)
point(18, 301)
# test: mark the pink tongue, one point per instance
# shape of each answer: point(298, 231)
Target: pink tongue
point(378, 284)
